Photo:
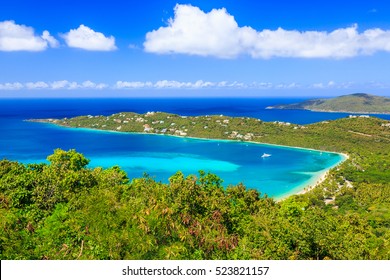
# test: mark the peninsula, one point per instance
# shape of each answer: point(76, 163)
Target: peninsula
point(354, 103)
point(342, 135)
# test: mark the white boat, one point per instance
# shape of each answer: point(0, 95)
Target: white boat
point(265, 155)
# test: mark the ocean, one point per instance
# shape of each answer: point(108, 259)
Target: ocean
point(286, 171)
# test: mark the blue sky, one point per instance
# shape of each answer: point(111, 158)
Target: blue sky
point(158, 48)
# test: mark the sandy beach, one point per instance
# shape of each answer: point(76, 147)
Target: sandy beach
point(317, 180)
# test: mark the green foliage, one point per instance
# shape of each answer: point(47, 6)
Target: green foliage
point(63, 210)
point(70, 160)
point(291, 208)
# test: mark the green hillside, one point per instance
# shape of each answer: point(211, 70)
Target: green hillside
point(354, 103)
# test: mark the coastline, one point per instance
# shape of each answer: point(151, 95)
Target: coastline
point(303, 188)
point(315, 181)
point(330, 111)
point(187, 137)
point(348, 112)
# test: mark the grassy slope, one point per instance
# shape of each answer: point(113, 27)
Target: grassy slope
point(348, 103)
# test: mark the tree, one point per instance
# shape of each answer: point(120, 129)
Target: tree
point(68, 160)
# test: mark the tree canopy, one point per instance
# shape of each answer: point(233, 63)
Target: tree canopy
point(65, 210)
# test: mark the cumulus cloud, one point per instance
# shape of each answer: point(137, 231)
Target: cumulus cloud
point(166, 84)
point(50, 39)
point(216, 33)
point(192, 31)
point(15, 37)
point(334, 85)
point(84, 85)
point(56, 85)
point(88, 39)
point(173, 84)
point(176, 84)
point(92, 85)
point(11, 86)
point(59, 84)
point(37, 85)
point(132, 85)
point(200, 84)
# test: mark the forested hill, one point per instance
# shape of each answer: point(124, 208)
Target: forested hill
point(354, 103)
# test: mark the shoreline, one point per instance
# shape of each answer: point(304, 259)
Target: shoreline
point(313, 182)
point(347, 112)
point(330, 111)
point(188, 137)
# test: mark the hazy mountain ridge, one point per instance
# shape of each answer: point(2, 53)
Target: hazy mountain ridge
point(354, 103)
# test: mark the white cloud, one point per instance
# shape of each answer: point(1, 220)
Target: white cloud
point(200, 84)
point(37, 85)
point(194, 32)
point(132, 85)
point(318, 85)
point(56, 85)
point(172, 84)
point(84, 85)
point(15, 37)
point(88, 39)
point(11, 86)
point(64, 84)
point(166, 84)
point(287, 86)
point(59, 84)
point(334, 85)
point(50, 39)
point(262, 85)
point(92, 85)
point(73, 85)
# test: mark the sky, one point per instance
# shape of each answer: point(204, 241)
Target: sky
point(195, 48)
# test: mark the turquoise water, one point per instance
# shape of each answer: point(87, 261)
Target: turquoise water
point(287, 170)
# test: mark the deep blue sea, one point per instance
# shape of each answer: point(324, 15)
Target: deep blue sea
point(286, 171)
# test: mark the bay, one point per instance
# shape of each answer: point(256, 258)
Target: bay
point(287, 170)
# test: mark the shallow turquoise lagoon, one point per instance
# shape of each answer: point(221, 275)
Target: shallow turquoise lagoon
point(286, 171)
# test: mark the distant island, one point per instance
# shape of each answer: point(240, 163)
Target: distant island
point(362, 103)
